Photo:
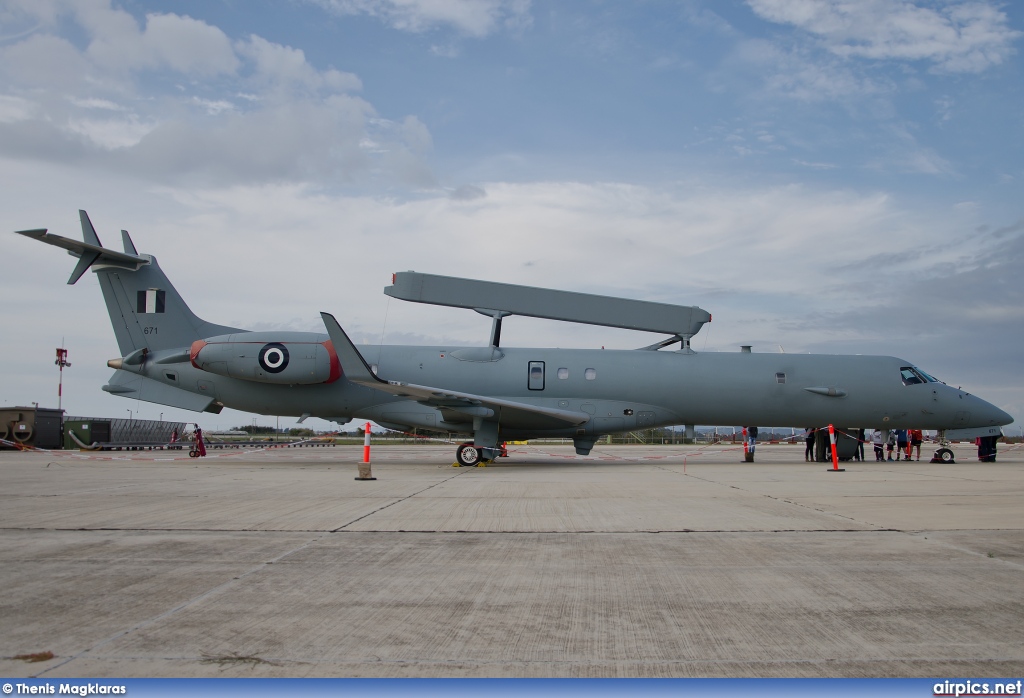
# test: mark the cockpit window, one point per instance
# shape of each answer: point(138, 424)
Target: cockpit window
point(912, 375)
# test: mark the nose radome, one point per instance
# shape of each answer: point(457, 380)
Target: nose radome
point(985, 414)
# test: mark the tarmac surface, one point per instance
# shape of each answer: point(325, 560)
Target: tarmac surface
point(659, 561)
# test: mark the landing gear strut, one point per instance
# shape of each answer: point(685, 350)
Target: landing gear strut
point(943, 454)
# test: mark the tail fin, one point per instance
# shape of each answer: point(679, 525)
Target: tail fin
point(145, 309)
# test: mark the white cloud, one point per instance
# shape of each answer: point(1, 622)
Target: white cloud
point(241, 111)
point(284, 67)
point(955, 37)
point(13, 109)
point(111, 134)
point(798, 74)
point(476, 18)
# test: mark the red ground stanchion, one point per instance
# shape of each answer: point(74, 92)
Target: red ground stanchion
point(835, 456)
point(364, 467)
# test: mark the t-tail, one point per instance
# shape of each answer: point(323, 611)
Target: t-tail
point(145, 309)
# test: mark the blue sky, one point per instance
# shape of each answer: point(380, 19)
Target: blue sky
point(821, 175)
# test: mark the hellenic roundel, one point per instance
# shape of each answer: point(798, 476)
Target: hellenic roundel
point(274, 358)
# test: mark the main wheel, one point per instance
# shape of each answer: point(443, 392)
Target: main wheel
point(945, 455)
point(193, 453)
point(468, 455)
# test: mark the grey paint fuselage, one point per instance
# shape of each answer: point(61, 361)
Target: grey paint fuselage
point(630, 389)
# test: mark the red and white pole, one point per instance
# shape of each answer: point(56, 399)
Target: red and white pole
point(835, 455)
point(364, 467)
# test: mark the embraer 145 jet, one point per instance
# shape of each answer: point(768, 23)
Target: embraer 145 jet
point(171, 357)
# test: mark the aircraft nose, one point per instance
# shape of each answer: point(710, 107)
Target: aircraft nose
point(985, 414)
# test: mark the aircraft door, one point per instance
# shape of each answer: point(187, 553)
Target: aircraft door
point(535, 380)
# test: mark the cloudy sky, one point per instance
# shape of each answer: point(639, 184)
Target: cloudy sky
point(838, 176)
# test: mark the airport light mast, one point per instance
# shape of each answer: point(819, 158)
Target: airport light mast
point(61, 362)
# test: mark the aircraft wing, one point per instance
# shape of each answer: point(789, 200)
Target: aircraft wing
point(357, 371)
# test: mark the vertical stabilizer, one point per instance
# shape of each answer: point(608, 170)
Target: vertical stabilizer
point(146, 310)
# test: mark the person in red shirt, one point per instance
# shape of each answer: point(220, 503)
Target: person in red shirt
point(916, 437)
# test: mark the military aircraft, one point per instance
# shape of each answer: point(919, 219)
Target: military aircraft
point(172, 357)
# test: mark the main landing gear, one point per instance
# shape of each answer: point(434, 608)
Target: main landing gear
point(470, 455)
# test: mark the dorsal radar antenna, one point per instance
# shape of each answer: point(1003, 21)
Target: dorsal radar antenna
point(499, 300)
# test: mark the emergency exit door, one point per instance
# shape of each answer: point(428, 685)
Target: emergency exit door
point(535, 381)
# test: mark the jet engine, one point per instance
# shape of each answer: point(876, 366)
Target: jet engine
point(268, 358)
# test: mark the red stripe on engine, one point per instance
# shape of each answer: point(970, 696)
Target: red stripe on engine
point(193, 353)
point(335, 364)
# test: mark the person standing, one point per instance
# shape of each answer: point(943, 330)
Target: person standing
point(890, 444)
point(860, 445)
point(809, 441)
point(751, 439)
point(916, 438)
point(876, 441)
point(901, 443)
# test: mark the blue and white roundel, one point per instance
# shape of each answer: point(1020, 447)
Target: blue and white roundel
point(273, 358)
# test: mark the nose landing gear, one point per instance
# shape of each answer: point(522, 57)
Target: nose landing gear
point(943, 454)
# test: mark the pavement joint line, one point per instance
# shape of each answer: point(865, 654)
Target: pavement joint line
point(398, 501)
point(483, 531)
point(170, 612)
point(874, 526)
point(962, 549)
point(374, 659)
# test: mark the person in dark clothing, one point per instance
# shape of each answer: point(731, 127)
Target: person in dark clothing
point(987, 448)
point(809, 441)
point(901, 443)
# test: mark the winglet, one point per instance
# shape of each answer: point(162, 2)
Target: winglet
point(88, 232)
point(352, 363)
point(129, 246)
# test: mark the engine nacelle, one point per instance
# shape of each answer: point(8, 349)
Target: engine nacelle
point(282, 358)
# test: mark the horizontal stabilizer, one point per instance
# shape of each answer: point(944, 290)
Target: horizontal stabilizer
point(136, 387)
point(87, 252)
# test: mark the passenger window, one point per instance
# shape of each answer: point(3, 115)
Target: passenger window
point(536, 376)
point(780, 377)
point(590, 374)
point(563, 373)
